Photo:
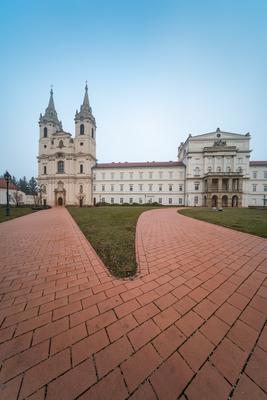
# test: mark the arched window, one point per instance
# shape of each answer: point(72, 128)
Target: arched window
point(61, 144)
point(82, 129)
point(60, 167)
point(81, 168)
point(81, 188)
point(93, 133)
point(45, 132)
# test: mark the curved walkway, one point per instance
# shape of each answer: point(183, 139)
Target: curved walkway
point(190, 326)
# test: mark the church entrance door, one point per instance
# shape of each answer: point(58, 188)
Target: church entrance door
point(60, 201)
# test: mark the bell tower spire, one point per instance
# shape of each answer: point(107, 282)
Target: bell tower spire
point(84, 120)
point(86, 98)
point(50, 116)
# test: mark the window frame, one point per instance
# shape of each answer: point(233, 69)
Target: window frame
point(60, 167)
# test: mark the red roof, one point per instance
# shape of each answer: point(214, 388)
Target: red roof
point(3, 184)
point(258, 163)
point(140, 164)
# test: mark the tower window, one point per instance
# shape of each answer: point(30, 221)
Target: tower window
point(81, 168)
point(82, 129)
point(45, 132)
point(61, 144)
point(45, 170)
point(93, 133)
point(60, 167)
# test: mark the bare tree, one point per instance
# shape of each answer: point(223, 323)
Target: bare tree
point(17, 197)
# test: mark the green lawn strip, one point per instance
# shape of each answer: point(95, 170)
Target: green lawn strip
point(14, 213)
point(111, 232)
point(247, 220)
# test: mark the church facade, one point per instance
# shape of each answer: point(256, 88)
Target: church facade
point(213, 169)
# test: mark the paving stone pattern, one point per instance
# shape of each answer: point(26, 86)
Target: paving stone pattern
point(191, 325)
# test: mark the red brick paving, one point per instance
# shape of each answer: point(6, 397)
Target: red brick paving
point(190, 326)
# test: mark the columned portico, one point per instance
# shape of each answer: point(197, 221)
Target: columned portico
point(220, 188)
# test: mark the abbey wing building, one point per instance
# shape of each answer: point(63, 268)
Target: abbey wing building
point(213, 169)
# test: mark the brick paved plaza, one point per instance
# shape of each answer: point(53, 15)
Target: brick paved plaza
point(191, 325)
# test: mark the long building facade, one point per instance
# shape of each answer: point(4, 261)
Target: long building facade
point(212, 170)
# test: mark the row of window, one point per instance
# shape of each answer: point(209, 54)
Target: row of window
point(218, 169)
point(256, 174)
point(156, 175)
point(140, 187)
point(140, 200)
point(137, 175)
point(60, 168)
point(254, 187)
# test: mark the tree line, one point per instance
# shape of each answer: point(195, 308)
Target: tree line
point(27, 186)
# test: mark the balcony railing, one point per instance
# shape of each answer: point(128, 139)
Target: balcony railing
point(214, 190)
point(227, 174)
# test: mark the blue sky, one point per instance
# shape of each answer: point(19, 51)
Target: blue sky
point(156, 71)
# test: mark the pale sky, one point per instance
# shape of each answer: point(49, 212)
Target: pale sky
point(156, 71)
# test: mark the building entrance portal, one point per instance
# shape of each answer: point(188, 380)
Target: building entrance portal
point(234, 201)
point(60, 201)
point(214, 201)
point(225, 201)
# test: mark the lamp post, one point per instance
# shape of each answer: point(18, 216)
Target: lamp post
point(7, 177)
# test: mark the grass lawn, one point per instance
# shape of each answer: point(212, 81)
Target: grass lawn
point(242, 219)
point(14, 213)
point(111, 231)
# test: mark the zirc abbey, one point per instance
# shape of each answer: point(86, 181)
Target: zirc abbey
point(213, 169)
